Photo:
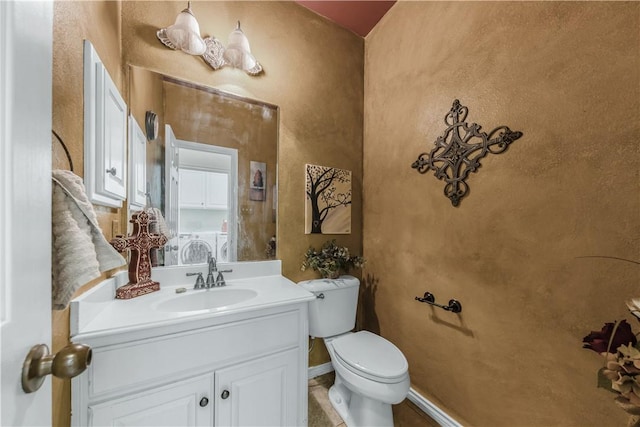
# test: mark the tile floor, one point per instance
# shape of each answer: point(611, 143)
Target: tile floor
point(321, 414)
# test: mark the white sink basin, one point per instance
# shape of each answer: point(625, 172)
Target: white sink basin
point(206, 300)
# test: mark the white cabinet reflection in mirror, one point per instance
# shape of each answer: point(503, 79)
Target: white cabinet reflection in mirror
point(137, 166)
point(203, 190)
point(244, 364)
point(105, 134)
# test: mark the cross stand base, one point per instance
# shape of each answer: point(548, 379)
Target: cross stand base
point(132, 290)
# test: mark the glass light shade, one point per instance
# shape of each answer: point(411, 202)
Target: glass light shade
point(238, 52)
point(184, 34)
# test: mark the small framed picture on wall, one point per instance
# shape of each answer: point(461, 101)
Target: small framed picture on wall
point(258, 181)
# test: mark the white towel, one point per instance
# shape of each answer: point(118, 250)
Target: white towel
point(160, 225)
point(80, 251)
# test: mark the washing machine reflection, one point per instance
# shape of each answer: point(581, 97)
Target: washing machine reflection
point(195, 247)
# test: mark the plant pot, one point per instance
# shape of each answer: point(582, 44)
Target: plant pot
point(333, 274)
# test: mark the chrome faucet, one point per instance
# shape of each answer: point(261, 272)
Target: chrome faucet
point(213, 268)
point(212, 280)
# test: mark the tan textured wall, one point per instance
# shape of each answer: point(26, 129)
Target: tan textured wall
point(99, 22)
point(568, 76)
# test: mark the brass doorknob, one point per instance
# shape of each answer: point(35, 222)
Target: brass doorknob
point(67, 363)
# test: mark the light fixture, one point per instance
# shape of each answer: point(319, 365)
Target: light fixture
point(184, 34)
point(238, 53)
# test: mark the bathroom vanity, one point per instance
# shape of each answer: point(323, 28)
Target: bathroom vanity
point(228, 356)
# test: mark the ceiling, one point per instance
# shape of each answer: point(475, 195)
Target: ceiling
point(357, 16)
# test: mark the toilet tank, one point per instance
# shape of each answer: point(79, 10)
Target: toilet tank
point(333, 312)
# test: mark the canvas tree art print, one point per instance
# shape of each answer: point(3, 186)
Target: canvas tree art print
point(328, 200)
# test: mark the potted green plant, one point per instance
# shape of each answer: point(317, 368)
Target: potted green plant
point(331, 260)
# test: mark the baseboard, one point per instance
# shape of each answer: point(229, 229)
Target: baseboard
point(316, 371)
point(429, 408)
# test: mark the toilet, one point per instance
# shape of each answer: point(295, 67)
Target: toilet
point(371, 373)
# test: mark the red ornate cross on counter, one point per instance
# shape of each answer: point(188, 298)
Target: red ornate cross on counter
point(140, 242)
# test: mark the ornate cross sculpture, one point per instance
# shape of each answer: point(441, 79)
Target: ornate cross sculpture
point(140, 242)
point(455, 154)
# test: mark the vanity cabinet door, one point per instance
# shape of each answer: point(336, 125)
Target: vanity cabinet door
point(184, 403)
point(263, 392)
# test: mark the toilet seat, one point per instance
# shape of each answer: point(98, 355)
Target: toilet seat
point(371, 356)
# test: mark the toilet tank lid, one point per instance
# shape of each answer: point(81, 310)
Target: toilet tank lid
point(319, 285)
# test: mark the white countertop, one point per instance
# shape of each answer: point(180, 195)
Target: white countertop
point(97, 314)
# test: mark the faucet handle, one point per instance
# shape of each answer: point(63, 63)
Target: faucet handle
point(220, 279)
point(199, 280)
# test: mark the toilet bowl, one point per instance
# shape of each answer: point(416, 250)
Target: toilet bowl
point(371, 375)
point(371, 372)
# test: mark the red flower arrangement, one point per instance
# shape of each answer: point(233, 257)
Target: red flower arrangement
point(617, 343)
point(612, 336)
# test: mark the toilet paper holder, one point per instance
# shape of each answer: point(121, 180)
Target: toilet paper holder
point(454, 305)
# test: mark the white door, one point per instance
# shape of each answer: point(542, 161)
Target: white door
point(263, 392)
point(185, 404)
point(25, 203)
point(171, 210)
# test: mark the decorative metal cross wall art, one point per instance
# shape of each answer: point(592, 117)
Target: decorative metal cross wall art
point(456, 154)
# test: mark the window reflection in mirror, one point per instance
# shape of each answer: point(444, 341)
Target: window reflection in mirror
point(207, 125)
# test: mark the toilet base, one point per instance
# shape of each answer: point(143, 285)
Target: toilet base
point(359, 411)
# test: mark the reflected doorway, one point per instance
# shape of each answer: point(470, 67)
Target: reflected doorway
point(205, 218)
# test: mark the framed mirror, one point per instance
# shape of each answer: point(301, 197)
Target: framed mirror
point(212, 169)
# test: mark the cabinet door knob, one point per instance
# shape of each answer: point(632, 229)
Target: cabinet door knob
point(225, 394)
point(204, 402)
point(112, 171)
